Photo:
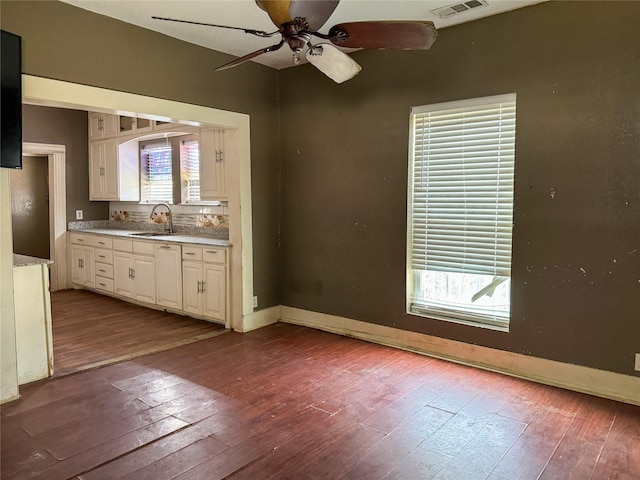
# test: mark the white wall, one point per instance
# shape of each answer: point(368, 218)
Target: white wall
point(8, 358)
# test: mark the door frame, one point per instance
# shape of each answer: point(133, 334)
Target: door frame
point(57, 93)
point(56, 156)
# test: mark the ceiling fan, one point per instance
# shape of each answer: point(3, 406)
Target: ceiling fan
point(299, 20)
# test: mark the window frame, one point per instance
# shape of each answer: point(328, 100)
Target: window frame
point(432, 308)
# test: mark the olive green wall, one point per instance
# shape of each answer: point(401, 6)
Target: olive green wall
point(70, 44)
point(576, 252)
point(342, 158)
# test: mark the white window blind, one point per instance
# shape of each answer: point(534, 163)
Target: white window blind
point(462, 179)
point(190, 159)
point(157, 179)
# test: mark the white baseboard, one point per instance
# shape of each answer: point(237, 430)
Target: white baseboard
point(261, 318)
point(615, 386)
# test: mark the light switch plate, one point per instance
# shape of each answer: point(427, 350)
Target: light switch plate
point(255, 302)
point(637, 362)
point(79, 214)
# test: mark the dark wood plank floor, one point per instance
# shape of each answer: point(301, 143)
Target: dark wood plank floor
point(287, 402)
point(91, 330)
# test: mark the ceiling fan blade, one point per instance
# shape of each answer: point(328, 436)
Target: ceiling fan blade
point(315, 12)
point(335, 64)
point(403, 35)
point(259, 33)
point(238, 61)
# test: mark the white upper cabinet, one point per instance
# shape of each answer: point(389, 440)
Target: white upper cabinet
point(213, 164)
point(102, 125)
point(114, 171)
point(134, 126)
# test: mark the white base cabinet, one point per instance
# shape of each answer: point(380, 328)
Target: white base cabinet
point(180, 277)
point(82, 260)
point(134, 276)
point(169, 276)
point(204, 274)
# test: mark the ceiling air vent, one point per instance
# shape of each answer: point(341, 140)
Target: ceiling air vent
point(456, 8)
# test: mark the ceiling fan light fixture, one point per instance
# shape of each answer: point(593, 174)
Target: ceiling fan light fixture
point(335, 64)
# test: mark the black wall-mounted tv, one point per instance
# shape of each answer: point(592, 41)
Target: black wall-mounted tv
point(11, 100)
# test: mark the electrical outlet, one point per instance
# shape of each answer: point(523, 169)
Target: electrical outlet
point(255, 302)
point(638, 362)
point(79, 214)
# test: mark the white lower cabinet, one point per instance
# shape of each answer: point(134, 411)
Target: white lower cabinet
point(82, 265)
point(134, 276)
point(204, 276)
point(192, 277)
point(185, 278)
point(169, 276)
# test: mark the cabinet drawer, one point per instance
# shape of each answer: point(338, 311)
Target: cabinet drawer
point(103, 256)
point(214, 255)
point(103, 242)
point(123, 245)
point(144, 248)
point(104, 270)
point(191, 253)
point(81, 239)
point(105, 284)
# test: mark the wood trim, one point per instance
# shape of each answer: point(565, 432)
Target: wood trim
point(261, 318)
point(615, 386)
point(57, 208)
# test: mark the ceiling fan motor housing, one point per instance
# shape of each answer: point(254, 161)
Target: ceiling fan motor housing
point(296, 34)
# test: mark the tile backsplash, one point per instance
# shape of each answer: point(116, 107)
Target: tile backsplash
point(189, 215)
point(208, 218)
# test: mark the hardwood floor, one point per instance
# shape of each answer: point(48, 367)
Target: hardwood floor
point(287, 402)
point(91, 330)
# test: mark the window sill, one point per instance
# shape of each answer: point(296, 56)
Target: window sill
point(481, 323)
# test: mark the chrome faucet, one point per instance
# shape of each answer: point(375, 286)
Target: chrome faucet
point(169, 227)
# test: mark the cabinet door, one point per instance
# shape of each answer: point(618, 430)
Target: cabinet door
point(133, 125)
point(122, 274)
point(76, 265)
point(102, 125)
point(169, 276)
point(96, 170)
point(109, 125)
point(215, 292)
point(110, 177)
point(144, 279)
point(211, 165)
point(95, 126)
point(191, 281)
point(88, 269)
point(222, 163)
point(143, 125)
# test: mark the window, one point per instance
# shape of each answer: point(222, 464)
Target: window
point(190, 170)
point(156, 170)
point(461, 175)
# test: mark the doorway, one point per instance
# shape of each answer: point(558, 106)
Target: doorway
point(30, 207)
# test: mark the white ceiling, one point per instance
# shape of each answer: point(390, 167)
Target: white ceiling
point(245, 13)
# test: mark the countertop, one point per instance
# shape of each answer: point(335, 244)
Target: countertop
point(25, 260)
point(169, 238)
